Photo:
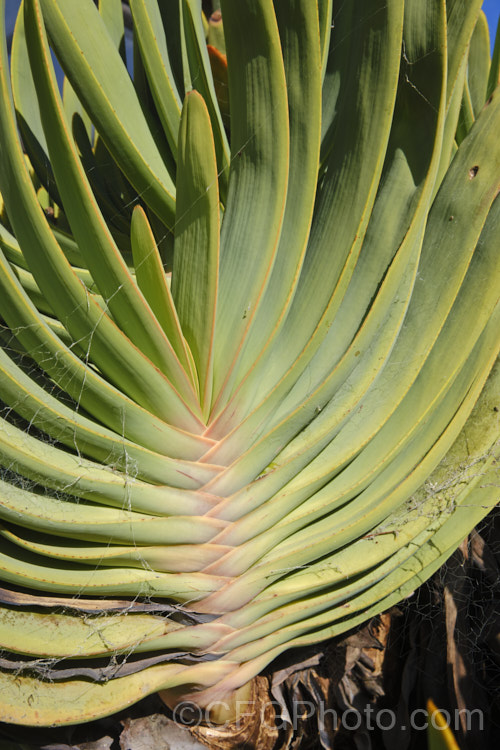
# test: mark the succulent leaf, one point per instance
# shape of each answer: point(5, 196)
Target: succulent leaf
point(248, 348)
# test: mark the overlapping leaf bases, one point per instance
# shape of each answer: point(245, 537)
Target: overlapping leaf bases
point(232, 360)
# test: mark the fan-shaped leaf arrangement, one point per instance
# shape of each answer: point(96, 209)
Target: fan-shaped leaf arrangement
point(234, 351)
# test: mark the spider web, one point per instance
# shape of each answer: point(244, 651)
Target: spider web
point(469, 582)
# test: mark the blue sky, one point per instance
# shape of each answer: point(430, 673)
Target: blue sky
point(492, 10)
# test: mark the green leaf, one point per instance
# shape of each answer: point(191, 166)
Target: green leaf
point(326, 24)
point(177, 558)
point(98, 523)
point(200, 74)
point(298, 28)
point(55, 635)
point(99, 77)
point(299, 427)
point(196, 250)
point(98, 397)
point(347, 184)
point(152, 281)
point(74, 430)
point(494, 76)
point(461, 18)
point(27, 109)
point(34, 703)
point(259, 173)
point(216, 32)
point(81, 477)
point(156, 60)
point(117, 286)
point(69, 299)
point(111, 12)
point(479, 64)
point(439, 734)
point(466, 116)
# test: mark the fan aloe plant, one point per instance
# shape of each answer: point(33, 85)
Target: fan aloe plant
point(247, 361)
